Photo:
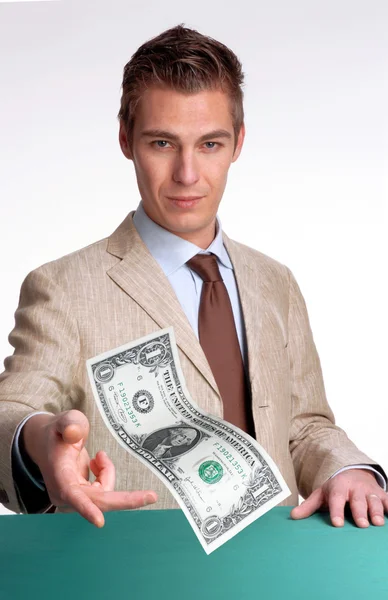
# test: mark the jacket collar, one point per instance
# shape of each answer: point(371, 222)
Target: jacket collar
point(141, 277)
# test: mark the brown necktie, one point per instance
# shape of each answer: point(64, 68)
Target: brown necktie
point(219, 341)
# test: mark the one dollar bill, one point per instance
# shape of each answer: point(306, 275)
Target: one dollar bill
point(220, 476)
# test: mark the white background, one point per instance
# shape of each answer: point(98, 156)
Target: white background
point(308, 189)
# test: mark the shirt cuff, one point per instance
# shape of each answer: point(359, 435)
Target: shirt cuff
point(17, 455)
point(379, 477)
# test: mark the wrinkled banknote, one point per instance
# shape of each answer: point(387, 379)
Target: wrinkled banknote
point(220, 476)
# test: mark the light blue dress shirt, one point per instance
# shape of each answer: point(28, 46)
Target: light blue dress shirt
point(172, 253)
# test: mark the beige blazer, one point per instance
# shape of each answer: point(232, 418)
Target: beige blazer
point(113, 292)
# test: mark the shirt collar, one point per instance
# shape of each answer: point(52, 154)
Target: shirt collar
point(170, 250)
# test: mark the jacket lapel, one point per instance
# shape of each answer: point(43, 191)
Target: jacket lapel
point(141, 277)
point(255, 282)
point(250, 297)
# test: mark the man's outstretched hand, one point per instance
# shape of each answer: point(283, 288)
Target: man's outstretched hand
point(56, 444)
point(359, 487)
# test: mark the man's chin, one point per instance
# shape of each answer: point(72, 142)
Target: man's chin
point(189, 223)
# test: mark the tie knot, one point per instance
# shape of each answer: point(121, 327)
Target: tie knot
point(205, 265)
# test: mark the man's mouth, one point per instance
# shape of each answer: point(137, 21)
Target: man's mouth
point(185, 201)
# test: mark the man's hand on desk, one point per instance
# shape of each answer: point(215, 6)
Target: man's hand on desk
point(356, 486)
point(56, 445)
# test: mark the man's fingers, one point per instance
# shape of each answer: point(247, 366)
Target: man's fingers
point(359, 508)
point(108, 501)
point(75, 498)
point(73, 426)
point(104, 470)
point(309, 506)
point(336, 502)
point(72, 496)
point(91, 502)
point(375, 509)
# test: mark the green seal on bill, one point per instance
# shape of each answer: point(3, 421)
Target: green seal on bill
point(211, 471)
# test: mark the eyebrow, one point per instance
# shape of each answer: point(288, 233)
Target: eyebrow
point(167, 135)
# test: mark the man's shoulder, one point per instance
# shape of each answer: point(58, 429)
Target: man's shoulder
point(258, 260)
point(95, 258)
point(84, 261)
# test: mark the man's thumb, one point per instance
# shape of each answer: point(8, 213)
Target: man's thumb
point(73, 426)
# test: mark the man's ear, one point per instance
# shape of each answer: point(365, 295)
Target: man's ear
point(123, 140)
point(240, 141)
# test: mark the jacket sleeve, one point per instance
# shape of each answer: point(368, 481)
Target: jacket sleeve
point(26, 475)
point(39, 376)
point(318, 446)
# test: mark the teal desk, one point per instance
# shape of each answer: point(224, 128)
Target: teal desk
point(154, 554)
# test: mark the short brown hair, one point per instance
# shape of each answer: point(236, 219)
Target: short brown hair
point(187, 61)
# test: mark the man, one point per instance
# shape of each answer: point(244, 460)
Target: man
point(172, 442)
point(251, 358)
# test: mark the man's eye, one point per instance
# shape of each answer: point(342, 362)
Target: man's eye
point(210, 145)
point(161, 143)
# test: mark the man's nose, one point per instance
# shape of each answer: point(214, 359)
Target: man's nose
point(186, 169)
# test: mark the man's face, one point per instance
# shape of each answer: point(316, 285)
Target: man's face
point(180, 438)
point(182, 148)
